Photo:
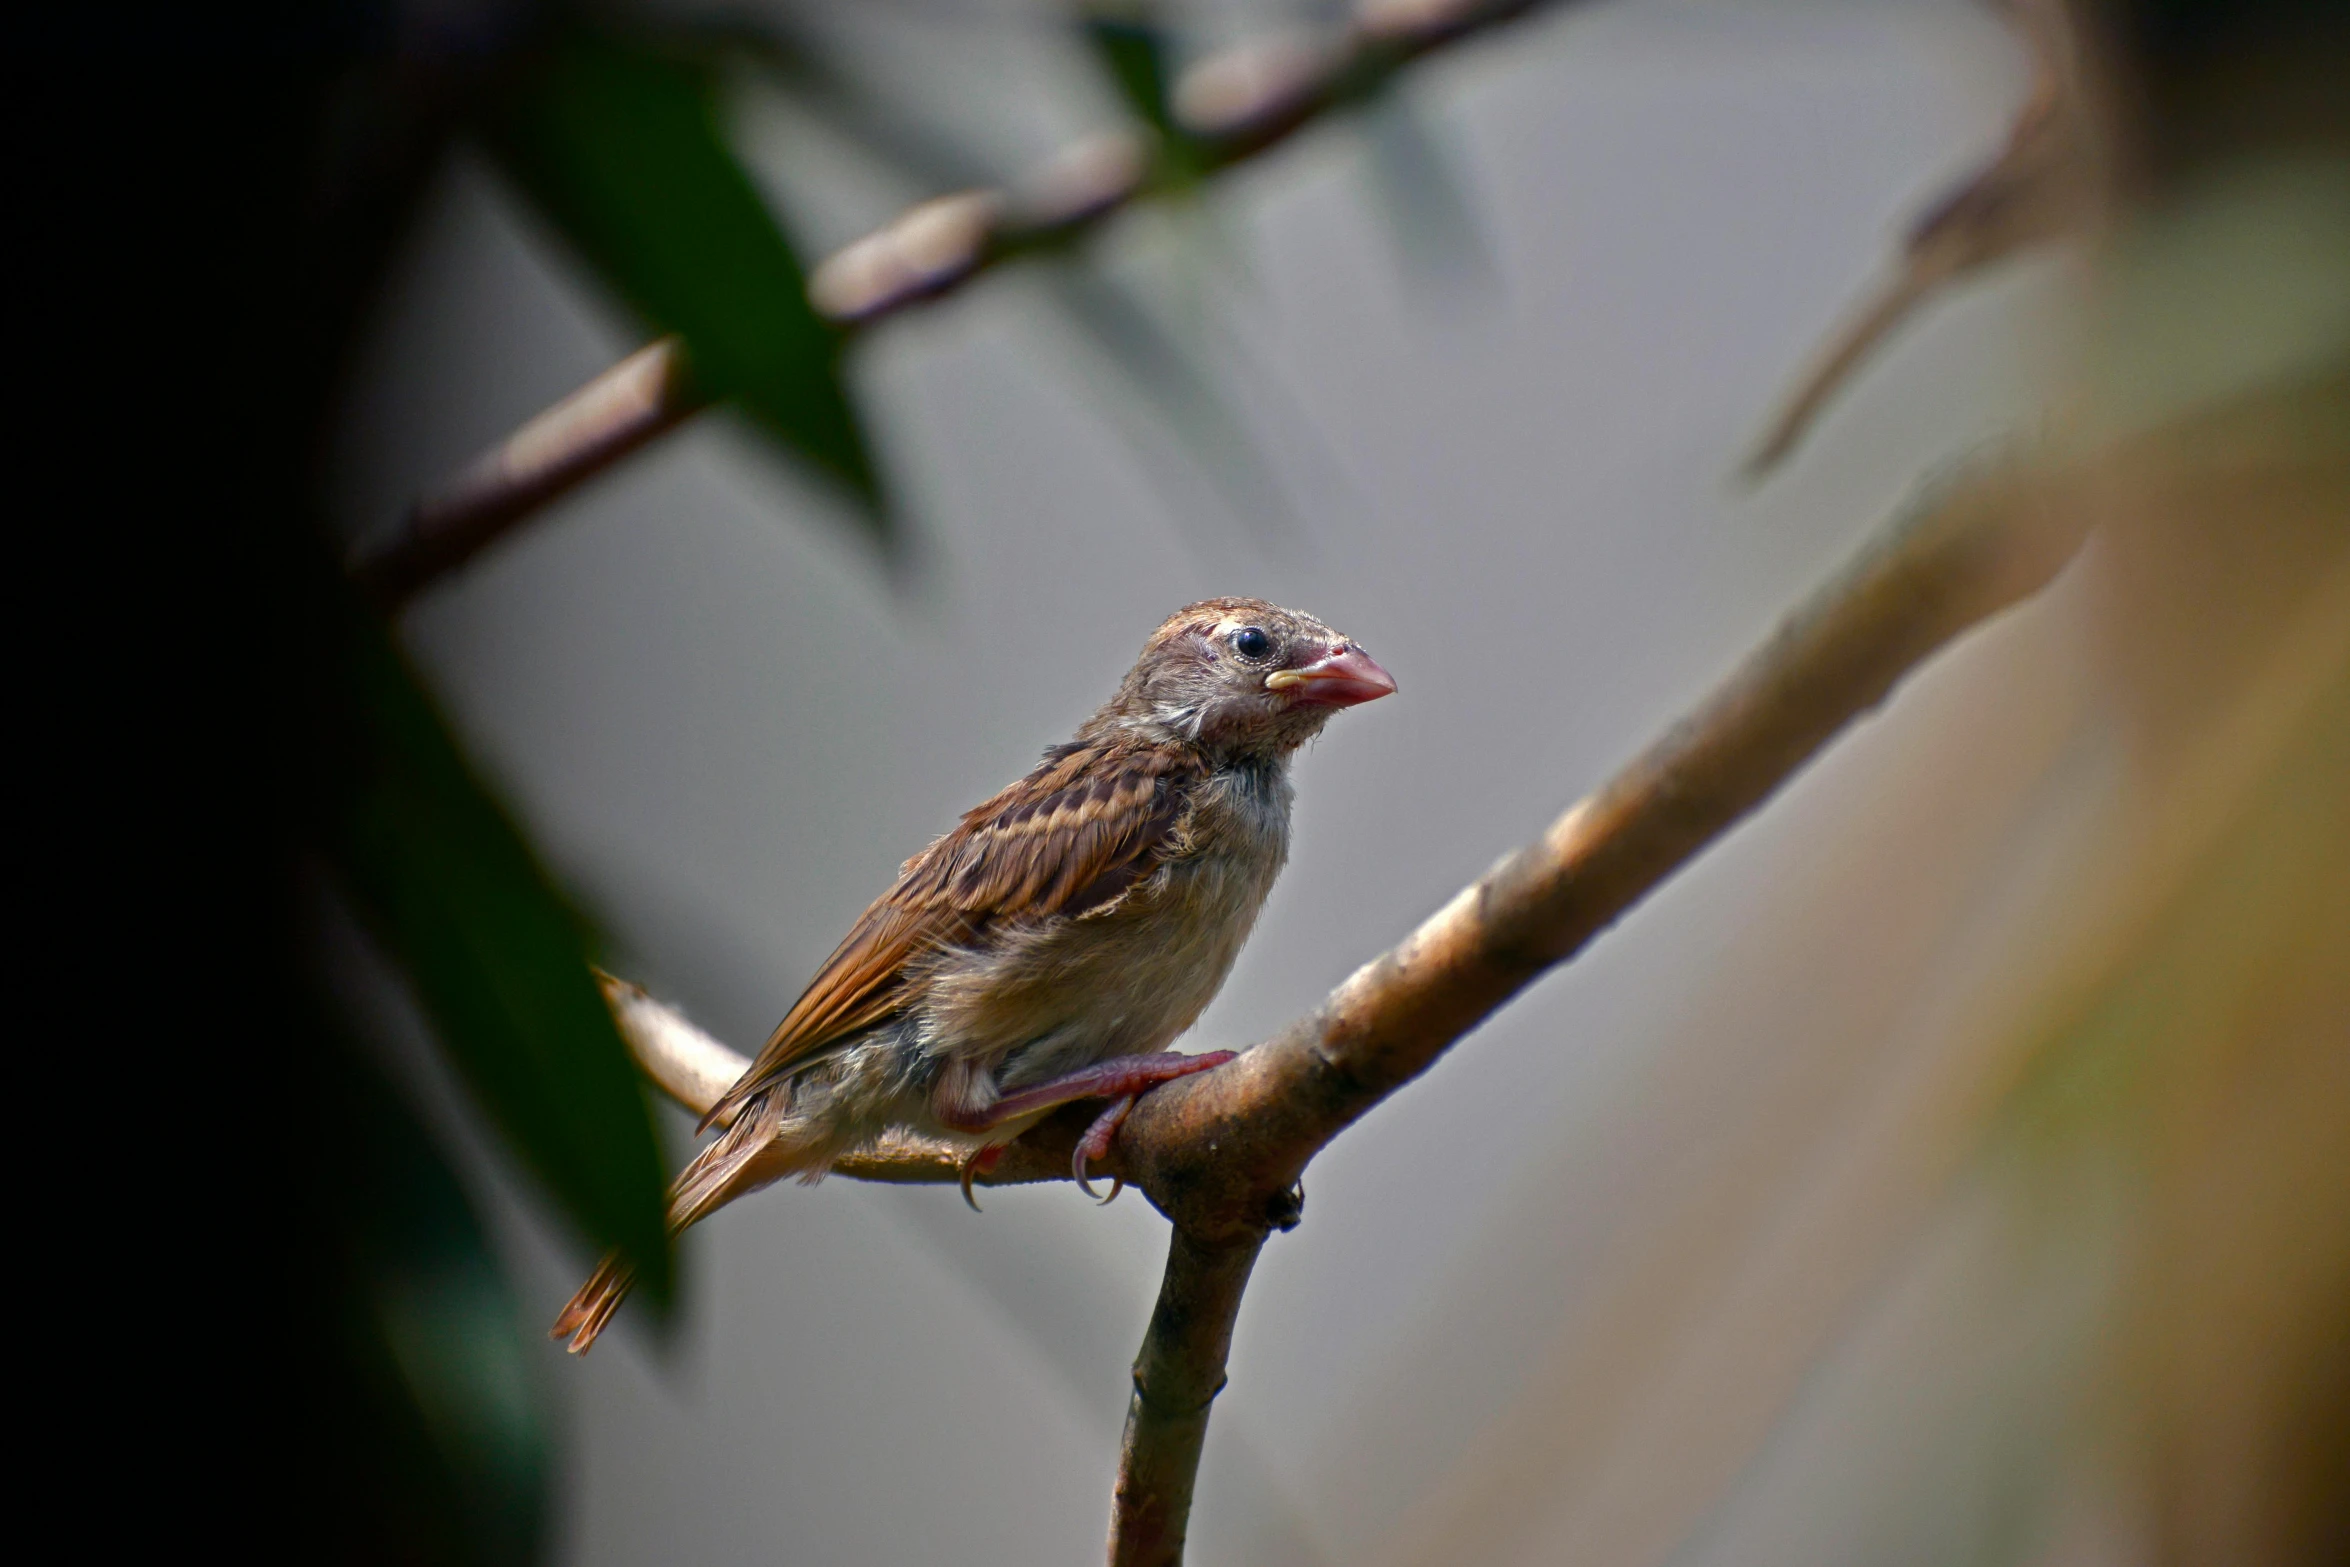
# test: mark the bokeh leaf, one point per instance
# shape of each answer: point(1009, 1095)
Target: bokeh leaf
point(1136, 55)
point(499, 961)
point(1427, 210)
point(896, 130)
point(1168, 376)
point(620, 145)
point(452, 1448)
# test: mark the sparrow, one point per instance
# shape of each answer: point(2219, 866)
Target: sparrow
point(1054, 944)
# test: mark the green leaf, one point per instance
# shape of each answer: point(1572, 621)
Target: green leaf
point(897, 131)
point(1137, 54)
point(1427, 211)
point(620, 146)
point(500, 962)
point(436, 1388)
point(1134, 52)
point(1165, 371)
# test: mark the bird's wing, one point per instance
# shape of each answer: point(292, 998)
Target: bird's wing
point(1069, 839)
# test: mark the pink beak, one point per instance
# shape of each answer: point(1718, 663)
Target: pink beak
point(1343, 679)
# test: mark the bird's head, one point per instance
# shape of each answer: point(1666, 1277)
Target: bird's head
point(1239, 677)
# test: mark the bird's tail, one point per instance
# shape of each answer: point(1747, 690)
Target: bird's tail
point(760, 1147)
point(587, 1312)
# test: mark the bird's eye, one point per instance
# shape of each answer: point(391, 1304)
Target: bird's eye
point(1251, 642)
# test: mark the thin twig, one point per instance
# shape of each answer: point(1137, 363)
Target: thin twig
point(643, 397)
point(1228, 109)
point(1223, 1157)
point(2039, 188)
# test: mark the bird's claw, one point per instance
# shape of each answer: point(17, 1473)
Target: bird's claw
point(975, 1164)
point(1095, 1143)
point(1085, 1185)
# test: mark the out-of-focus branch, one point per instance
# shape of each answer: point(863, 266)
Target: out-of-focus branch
point(2039, 188)
point(645, 396)
point(1226, 110)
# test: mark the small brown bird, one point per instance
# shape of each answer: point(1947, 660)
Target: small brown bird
point(1053, 945)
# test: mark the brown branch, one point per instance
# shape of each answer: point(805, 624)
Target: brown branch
point(1222, 1154)
point(1227, 110)
point(1975, 549)
point(2039, 188)
point(646, 395)
point(1176, 1378)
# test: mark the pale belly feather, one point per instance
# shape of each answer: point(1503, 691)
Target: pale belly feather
point(1130, 979)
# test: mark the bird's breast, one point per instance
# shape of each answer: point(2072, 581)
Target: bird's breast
point(1130, 978)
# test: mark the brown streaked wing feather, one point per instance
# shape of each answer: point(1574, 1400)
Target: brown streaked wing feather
point(1069, 839)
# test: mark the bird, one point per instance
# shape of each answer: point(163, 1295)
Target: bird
point(1052, 945)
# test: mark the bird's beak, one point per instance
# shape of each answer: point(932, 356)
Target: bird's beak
point(1342, 679)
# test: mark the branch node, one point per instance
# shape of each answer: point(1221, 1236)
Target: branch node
point(1166, 1411)
point(1286, 1210)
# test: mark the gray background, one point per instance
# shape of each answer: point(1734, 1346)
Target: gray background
point(1503, 464)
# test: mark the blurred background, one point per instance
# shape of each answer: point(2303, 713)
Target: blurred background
point(1951, 1166)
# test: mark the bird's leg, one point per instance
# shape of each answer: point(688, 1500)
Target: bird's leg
point(1117, 1078)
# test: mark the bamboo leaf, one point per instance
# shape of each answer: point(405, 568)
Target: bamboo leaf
point(499, 961)
point(1168, 377)
point(1136, 55)
point(1428, 214)
point(456, 1445)
point(620, 145)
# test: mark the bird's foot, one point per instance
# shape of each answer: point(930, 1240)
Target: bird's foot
point(1095, 1143)
point(977, 1163)
point(1121, 1079)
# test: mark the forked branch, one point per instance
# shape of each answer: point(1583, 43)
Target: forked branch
point(1221, 1154)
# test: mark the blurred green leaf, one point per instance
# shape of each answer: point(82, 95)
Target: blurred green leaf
point(1136, 54)
point(895, 130)
point(499, 961)
point(1427, 212)
point(2260, 920)
point(620, 145)
point(455, 1448)
point(1169, 378)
